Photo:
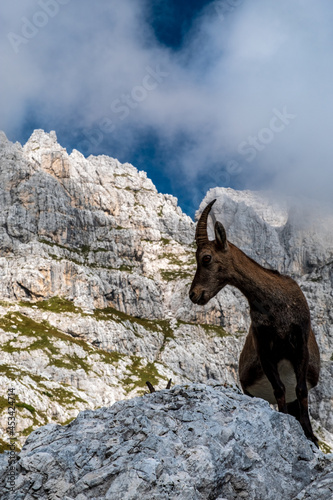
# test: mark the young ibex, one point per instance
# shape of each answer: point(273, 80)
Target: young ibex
point(280, 359)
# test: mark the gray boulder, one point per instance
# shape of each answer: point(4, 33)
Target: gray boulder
point(191, 442)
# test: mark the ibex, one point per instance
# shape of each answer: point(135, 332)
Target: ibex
point(280, 359)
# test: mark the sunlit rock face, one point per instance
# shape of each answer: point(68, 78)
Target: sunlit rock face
point(95, 269)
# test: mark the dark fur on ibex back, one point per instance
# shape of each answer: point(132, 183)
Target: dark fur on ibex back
point(280, 360)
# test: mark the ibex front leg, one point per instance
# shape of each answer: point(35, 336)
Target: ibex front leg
point(271, 371)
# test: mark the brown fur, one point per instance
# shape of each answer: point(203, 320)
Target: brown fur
point(280, 329)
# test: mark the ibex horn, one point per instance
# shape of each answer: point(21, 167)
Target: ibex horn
point(201, 235)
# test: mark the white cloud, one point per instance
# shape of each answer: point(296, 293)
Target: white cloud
point(92, 61)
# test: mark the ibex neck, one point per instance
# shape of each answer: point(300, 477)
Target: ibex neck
point(254, 281)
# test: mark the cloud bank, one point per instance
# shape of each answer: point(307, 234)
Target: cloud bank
point(246, 101)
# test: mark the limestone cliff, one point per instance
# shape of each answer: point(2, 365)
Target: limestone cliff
point(95, 267)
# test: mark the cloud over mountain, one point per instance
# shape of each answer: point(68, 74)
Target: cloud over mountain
point(245, 101)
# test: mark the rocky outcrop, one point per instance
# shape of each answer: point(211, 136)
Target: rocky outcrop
point(95, 267)
point(193, 442)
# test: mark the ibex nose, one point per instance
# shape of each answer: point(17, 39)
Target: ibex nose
point(195, 297)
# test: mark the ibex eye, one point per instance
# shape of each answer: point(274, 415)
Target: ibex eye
point(206, 259)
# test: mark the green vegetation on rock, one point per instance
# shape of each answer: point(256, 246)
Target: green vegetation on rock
point(175, 275)
point(83, 254)
point(44, 337)
point(140, 373)
point(183, 269)
point(26, 406)
point(214, 330)
point(54, 304)
point(109, 313)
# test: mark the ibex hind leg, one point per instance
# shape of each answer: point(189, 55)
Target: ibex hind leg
point(294, 409)
point(301, 368)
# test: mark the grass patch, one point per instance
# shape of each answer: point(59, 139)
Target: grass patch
point(192, 261)
point(324, 447)
point(184, 268)
point(215, 330)
point(4, 446)
point(3, 403)
point(175, 275)
point(68, 421)
point(29, 430)
point(10, 372)
point(3, 303)
point(123, 267)
point(13, 373)
point(110, 357)
point(83, 250)
point(140, 374)
point(53, 244)
point(65, 397)
point(44, 336)
point(48, 394)
point(38, 418)
point(8, 347)
point(71, 362)
point(84, 253)
point(43, 332)
point(26, 406)
point(54, 304)
point(109, 313)
point(212, 330)
point(171, 258)
point(55, 257)
point(18, 404)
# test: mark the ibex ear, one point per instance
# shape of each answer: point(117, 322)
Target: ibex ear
point(220, 236)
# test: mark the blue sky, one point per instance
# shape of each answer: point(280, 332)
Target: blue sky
point(199, 94)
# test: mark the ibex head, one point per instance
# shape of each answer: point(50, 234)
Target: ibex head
point(213, 261)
